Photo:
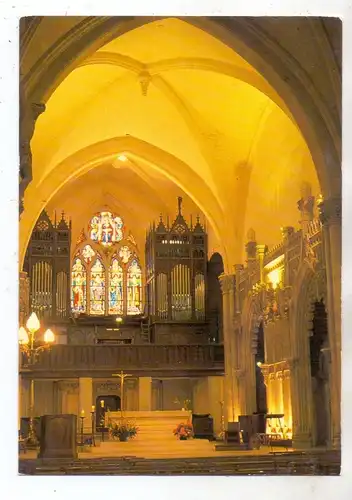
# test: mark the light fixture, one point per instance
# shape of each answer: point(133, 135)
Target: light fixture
point(23, 338)
point(122, 158)
point(119, 319)
point(49, 336)
point(33, 323)
point(275, 277)
point(259, 364)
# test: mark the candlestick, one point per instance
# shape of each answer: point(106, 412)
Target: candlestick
point(93, 423)
point(82, 417)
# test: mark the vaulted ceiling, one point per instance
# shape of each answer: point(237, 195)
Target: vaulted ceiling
point(189, 117)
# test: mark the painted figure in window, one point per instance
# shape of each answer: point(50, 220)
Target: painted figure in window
point(78, 287)
point(94, 228)
point(88, 253)
point(97, 288)
point(115, 288)
point(134, 288)
point(125, 254)
point(106, 228)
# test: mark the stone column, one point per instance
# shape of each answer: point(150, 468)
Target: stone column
point(23, 298)
point(261, 252)
point(56, 398)
point(301, 397)
point(287, 399)
point(230, 383)
point(330, 215)
point(29, 113)
point(86, 399)
point(215, 397)
point(279, 392)
point(145, 393)
point(24, 403)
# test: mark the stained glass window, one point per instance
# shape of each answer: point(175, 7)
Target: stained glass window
point(115, 288)
point(125, 254)
point(134, 288)
point(88, 253)
point(97, 288)
point(106, 228)
point(79, 289)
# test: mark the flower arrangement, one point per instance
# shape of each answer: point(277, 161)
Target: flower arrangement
point(123, 431)
point(184, 431)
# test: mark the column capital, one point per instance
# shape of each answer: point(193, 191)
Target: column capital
point(330, 211)
point(261, 249)
point(227, 282)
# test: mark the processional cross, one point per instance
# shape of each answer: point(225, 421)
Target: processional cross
point(122, 377)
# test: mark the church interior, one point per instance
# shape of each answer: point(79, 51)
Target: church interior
point(180, 236)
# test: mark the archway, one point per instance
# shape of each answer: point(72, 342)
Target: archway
point(103, 404)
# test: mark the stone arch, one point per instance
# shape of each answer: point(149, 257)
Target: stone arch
point(244, 36)
point(252, 316)
point(310, 285)
point(92, 156)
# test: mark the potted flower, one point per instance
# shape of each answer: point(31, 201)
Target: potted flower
point(123, 430)
point(184, 431)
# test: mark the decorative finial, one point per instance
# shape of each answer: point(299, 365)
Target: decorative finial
point(62, 215)
point(179, 204)
point(161, 218)
point(198, 218)
point(251, 234)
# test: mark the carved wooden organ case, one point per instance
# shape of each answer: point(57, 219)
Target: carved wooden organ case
point(47, 263)
point(176, 263)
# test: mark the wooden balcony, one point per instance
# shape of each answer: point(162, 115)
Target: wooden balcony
point(103, 360)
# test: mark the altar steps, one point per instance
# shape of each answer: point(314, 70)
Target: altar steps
point(155, 448)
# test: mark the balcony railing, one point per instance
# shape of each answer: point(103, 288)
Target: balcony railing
point(94, 358)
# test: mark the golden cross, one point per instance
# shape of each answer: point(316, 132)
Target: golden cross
point(122, 377)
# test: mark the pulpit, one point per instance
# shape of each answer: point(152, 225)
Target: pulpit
point(58, 436)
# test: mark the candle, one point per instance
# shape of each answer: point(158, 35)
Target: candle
point(102, 403)
point(93, 408)
point(82, 413)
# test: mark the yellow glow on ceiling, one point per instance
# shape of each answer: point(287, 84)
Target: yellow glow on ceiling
point(209, 125)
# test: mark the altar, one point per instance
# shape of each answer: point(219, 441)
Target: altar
point(152, 425)
point(155, 437)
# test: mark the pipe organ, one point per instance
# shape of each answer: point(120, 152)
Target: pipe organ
point(48, 266)
point(176, 268)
